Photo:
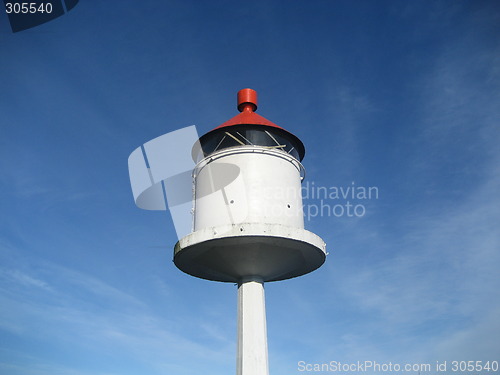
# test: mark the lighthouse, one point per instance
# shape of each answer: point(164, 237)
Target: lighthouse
point(247, 219)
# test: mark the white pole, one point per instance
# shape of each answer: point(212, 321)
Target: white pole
point(251, 358)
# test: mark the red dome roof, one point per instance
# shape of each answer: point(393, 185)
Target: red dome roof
point(247, 104)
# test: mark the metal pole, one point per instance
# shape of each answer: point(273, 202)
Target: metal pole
point(251, 356)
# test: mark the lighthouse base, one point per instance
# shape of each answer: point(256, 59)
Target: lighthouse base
point(233, 253)
point(252, 357)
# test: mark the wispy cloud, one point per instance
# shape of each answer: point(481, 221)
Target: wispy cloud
point(47, 301)
point(434, 292)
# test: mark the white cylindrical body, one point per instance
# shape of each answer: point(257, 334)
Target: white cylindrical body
point(252, 357)
point(248, 184)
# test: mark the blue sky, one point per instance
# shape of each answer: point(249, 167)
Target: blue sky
point(402, 96)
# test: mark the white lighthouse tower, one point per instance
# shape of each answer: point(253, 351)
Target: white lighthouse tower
point(248, 219)
point(248, 223)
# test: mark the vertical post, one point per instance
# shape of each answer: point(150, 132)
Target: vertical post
point(251, 356)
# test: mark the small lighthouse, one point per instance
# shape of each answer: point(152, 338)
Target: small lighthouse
point(248, 222)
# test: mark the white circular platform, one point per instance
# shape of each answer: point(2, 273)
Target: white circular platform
point(231, 253)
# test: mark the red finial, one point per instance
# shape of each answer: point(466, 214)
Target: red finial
point(247, 100)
